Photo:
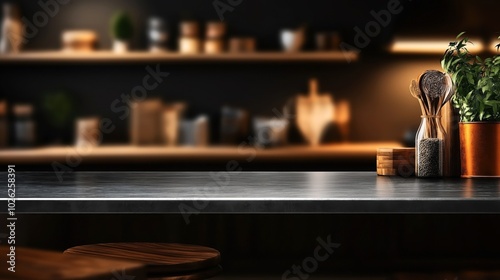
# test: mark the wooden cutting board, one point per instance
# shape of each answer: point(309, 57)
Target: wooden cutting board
point(396, 162)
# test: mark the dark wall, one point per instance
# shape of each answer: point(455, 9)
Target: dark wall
point(376, 86)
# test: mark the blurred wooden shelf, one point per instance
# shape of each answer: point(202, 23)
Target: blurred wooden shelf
point(132, 154)
point(136, 56)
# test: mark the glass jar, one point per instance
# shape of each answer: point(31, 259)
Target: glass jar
point(429, 147)
point(158, 35)
point(24, 126)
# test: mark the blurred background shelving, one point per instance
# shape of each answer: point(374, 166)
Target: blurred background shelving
point(260, 82)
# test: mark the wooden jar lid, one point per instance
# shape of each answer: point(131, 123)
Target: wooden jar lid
point(159, 258)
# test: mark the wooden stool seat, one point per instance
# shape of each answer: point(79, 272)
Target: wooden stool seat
point(33, 264)
point(165, 260)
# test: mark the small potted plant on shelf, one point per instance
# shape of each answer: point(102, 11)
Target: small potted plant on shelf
point(122, 31)
point(477, 100)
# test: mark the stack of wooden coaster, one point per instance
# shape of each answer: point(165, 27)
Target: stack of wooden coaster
point(396, 162)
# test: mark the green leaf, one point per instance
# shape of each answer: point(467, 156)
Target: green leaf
point(477, 81)
point(470, 79)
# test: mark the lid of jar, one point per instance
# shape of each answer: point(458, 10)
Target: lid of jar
point(22, 110)
point(189, 29)
point(156, 23)
point(215, 29)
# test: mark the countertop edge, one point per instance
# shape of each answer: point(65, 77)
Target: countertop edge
point(196, 207)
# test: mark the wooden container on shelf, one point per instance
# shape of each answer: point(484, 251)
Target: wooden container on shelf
point(213, 46)
point(242, 45)
point(87, 132)
point(146, 122)
point(79, 40)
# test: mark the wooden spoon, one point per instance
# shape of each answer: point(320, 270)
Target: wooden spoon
point(415, 92)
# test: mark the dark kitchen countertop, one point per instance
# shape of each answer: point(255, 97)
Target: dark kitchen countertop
point(249, 192)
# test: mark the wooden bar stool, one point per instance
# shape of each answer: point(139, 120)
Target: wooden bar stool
point(162, 260)
point(33, 264)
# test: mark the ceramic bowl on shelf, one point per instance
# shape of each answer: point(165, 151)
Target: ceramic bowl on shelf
point(195, 132)
point(270, 132)
point(292, 40)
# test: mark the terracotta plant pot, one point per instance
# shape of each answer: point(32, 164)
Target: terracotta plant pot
point(480, 149)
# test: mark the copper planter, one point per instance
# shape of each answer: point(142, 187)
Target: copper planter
point(480, 149)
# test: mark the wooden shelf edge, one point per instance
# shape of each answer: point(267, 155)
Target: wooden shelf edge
point(106, 56)
point(132, 153)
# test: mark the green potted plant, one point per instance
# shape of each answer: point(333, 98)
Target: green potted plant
point(122, 30)
point(477, 100)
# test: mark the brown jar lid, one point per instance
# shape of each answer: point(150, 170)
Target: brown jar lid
point(22, 110)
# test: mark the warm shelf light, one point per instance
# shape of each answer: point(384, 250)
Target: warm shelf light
point(430, 46)
point(493, 46)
